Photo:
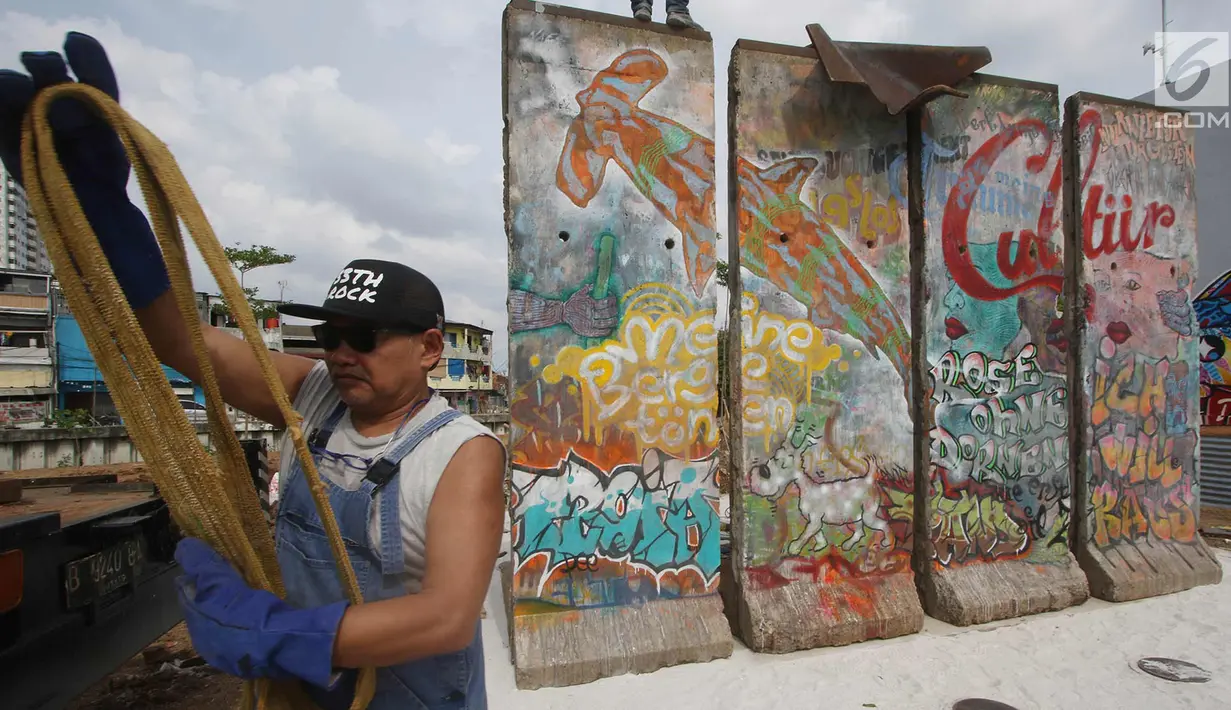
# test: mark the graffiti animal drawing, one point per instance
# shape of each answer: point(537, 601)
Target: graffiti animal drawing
point(674, 168)
point(671, 165)
point(786, 242)
point(821, 502)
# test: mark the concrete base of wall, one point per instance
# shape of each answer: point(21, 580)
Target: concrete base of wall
point(982, 592)
point(803, 615)
point(1124, 572)
point(576, 647)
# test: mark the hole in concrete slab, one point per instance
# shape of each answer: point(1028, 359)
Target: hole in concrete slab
point(670, 243)
point(871, 243)
point(981, 704)
point(1174, 670)
point(783, 237)
point(563, 236)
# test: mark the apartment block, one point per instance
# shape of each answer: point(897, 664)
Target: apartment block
point(464, 375)
point(27, 374)
point(21, 247)
point(80, 383)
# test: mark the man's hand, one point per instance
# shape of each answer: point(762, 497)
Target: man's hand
point(96, 165)
point(251, 633)
point(92, 156)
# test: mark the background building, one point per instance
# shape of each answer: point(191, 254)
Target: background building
point(80, 383)
point(21, 247)
point(299, 340)
point(27, 380)
point(464, 375)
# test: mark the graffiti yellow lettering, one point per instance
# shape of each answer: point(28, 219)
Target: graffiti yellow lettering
point(876, 220)
point(780, 357)
point(1118, 516)
point(657, 380)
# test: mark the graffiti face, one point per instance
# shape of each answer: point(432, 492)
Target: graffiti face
point(1141, 303)
point(1141, 335)
point(975, 325)
point(999, 448)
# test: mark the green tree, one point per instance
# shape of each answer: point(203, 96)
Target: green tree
point(721, 271)
point(245, 259)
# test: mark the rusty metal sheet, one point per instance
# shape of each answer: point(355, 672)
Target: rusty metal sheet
point(902, 76)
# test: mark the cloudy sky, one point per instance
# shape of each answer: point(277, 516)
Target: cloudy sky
point(338, 129)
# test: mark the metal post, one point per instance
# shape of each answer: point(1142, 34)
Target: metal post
point(1163, 49)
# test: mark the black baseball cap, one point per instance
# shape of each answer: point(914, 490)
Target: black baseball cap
point(382, 293)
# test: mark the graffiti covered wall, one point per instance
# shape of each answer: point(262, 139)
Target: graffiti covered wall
point(998, 491)
point(1135, 226)
point(823, 461)
point(610, 214)
point(1213, 308)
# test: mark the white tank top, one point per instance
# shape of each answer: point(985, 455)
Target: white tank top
point(417, 478)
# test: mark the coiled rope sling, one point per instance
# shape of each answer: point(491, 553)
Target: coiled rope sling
point(210, 497)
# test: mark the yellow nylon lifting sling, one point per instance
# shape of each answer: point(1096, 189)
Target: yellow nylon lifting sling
point(210, 497)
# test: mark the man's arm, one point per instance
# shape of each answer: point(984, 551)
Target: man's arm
point(464, 526)
point(235, 365)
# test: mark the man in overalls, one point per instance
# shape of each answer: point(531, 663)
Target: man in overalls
point(416, 487)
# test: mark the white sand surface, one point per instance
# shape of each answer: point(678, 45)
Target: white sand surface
point(1078, 659)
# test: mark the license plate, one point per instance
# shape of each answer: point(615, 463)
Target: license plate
point(91, 578)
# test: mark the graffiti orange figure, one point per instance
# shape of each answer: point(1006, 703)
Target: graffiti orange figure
point(671, 165)
point(785, 241)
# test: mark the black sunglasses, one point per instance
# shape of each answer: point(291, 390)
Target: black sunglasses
point(361, 338)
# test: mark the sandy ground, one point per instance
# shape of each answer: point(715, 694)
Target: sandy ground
point(1075, 659)
point(1071, 660)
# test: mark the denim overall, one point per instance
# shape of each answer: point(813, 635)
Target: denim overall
point(452, 681)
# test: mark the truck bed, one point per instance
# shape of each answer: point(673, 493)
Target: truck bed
point(95, 546)
point(74, 506)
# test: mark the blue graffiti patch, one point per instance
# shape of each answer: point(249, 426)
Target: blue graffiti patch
point(658, 514)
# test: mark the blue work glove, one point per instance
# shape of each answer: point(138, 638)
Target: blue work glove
point(92, 156)
point(251, 633)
